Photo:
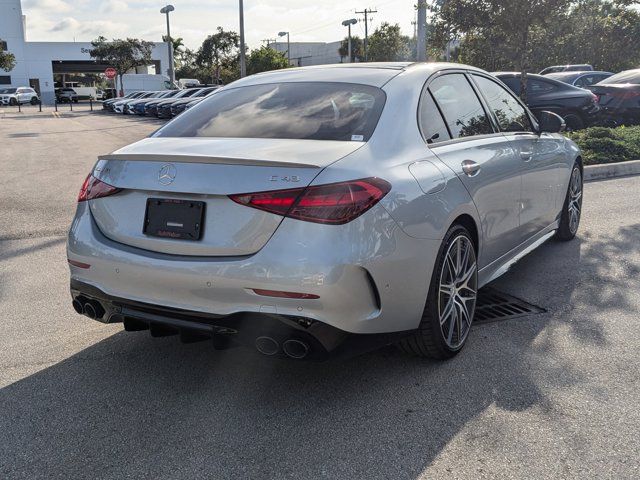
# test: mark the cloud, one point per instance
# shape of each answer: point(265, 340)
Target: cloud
point(89, 28)
point(68, 23)
point(57, 5)
point(113, 6)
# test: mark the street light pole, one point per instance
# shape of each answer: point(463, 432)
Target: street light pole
point(243, 60)
point(348, 23)
point(282, 34)
point(172, 75)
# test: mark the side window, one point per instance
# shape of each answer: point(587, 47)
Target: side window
point(431, 123)
point(511, 116)
point(535, 86)
point(460, 106)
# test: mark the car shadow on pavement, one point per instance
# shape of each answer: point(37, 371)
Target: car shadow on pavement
point(133, 406)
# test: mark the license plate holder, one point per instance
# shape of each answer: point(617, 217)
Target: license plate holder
point(174, 218)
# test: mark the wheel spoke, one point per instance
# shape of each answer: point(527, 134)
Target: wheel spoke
point(464, 312)
point(452, 324)
point(448, 309)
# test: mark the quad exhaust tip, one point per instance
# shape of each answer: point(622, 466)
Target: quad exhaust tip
point(267, 346)
point(295, 349)
point(77, 306)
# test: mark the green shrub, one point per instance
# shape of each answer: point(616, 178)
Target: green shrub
point(608, 145)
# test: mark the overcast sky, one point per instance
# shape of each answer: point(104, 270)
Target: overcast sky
point(83, 20)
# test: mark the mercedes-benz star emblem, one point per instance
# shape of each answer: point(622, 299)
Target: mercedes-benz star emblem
point(167, 174)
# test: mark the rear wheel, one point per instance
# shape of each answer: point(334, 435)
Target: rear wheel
point(451, 301)
point(573, 122)
point(34, 100)
point(572, 208)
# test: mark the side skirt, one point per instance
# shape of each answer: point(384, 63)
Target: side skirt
point(502, 265)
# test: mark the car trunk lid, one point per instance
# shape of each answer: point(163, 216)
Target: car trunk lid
point(205, 170)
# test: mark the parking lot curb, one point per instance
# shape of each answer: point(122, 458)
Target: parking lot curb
point(611, 170)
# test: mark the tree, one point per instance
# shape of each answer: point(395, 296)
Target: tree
point(602, 33)
point(7, 61)
point(219, 55)
point(176, 46)
point(264, 59)
point(387, 44)
point(123, 55)
point(357, 49)
point(495, 33)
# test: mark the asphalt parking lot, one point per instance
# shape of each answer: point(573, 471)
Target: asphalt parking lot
point(553, 395)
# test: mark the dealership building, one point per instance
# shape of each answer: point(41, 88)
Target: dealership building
point(45, 66)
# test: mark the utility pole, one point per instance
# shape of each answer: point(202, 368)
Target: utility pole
point(269, 41)
point(243, 60)
point(366, 13)
point(421, 43)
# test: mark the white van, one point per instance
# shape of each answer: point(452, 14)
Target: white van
point(135, 82)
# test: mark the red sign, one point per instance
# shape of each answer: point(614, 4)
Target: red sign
point(110, 73)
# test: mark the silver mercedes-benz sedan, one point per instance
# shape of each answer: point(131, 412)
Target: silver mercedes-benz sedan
point(317, 211)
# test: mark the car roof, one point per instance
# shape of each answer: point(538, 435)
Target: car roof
point(375, 73)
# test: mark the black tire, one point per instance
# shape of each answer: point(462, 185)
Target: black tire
point(13, 102)
point(75, 100)
point(34, 101)
point(567, 229)
point(429, 340)
point(573, 122)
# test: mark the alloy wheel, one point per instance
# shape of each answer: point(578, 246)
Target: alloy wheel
point(575, 200)
point(458, 292)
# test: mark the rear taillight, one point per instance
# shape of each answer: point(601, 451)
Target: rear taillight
point(333, 203)
point(93, 188)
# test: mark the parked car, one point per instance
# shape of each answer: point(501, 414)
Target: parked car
point(138, 106)
point(128, 107)
point(580, 79)
point(177, 107)
point(619, 98)
point(578, 107)
point(567, 68)
point(295, 212)
point(151, 108)
point(101, 95)
point(66, 95)
point(18, 96)
point(118, 106)
point(163, 107)
point(193, 103)
point(108, 104)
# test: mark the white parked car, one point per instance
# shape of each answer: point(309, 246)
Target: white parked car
point(18, 95)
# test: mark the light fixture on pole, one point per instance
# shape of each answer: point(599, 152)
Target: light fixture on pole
point(348, 23)
point(166, 10)
point(282, 34)
point(243, 60)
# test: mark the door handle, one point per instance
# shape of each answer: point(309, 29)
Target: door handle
point(470, 168)
point(526, 156)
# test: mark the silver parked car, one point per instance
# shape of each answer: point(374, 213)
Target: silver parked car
point(320, 210)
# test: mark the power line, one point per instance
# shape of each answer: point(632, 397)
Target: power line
point(366, 13)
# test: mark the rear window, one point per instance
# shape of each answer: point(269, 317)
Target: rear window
point(630, 76)
point(302, 110)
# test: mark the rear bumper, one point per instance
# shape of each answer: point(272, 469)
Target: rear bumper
point(319, 341)
point(372, 284)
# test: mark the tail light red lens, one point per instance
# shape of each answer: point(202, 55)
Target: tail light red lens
point(93, 188)
point(332, 203)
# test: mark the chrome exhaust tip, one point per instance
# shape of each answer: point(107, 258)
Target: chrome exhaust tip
point(295, 349)
point(267, 346)
point(77, 306)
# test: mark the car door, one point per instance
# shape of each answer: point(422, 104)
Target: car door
point(540, 156)
point(20, 95)
point(481, 157)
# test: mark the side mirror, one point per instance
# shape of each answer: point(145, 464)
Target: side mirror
point(551, 122)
